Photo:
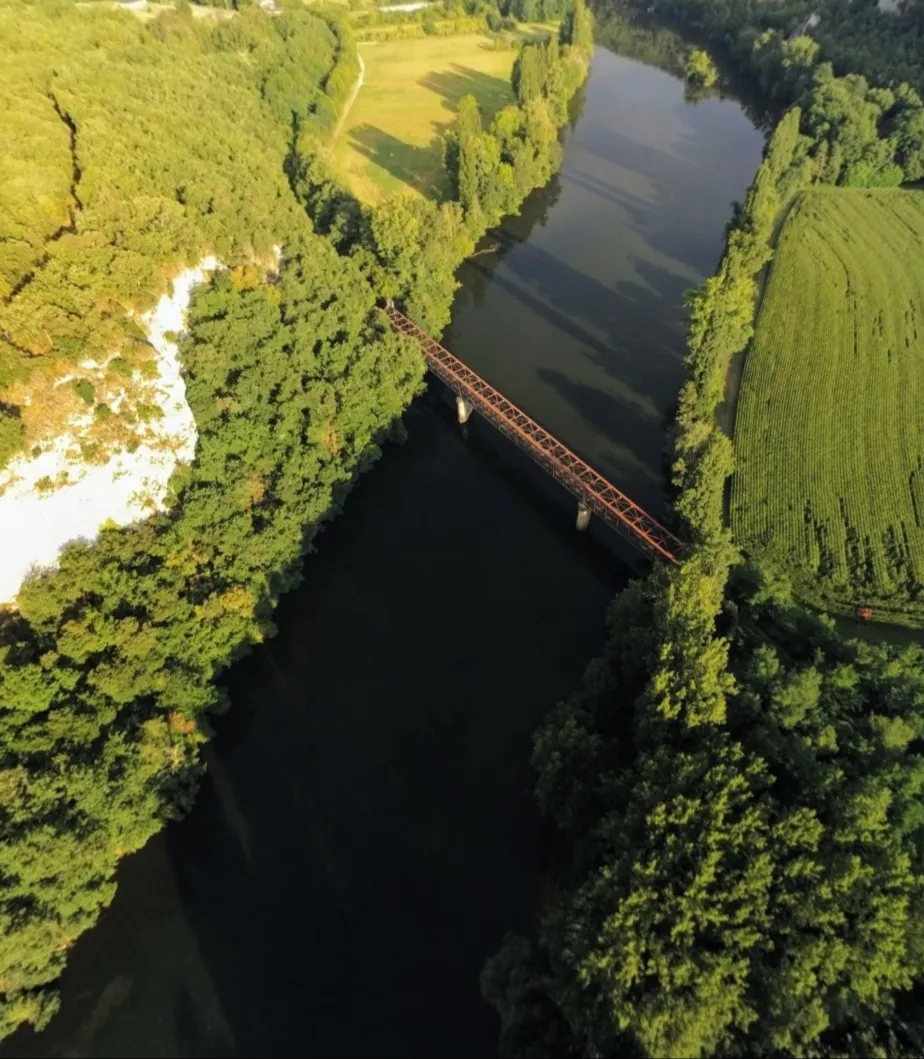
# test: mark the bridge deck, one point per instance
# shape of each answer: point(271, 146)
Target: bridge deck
point(601, 496)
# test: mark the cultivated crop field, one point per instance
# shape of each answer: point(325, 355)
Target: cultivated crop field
point(829, 434)
point(391, 140)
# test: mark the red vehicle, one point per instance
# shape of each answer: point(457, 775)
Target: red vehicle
point(864, 613)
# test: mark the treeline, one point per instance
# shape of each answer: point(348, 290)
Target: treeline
point(107, 670)
point(735, 790)
point(107, 666)
point(535, 10)
point(410, 248)
point(738, 832)
point(856, 37)
point(413, 26)
point(451, 17)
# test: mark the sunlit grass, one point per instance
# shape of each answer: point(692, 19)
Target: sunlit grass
point(391, 139)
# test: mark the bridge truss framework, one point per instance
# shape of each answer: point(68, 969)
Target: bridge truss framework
point(579, 478)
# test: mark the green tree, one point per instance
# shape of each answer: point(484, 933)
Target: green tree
point(577, 28)
point(700, 68)
point(528, 75)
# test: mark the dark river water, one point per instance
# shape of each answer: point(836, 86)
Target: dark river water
point(365, 834)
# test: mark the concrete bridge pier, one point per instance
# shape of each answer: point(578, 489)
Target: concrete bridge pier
point(463, 409)
point(583, 516)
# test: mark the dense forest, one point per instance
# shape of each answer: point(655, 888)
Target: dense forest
point(856, 36)
point(735, 790)
point(107, 192)
point(136, 147)
point(108, 664)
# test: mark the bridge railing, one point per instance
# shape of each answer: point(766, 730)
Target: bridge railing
point(590, 487)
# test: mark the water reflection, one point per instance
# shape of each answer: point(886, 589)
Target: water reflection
point(579, 317)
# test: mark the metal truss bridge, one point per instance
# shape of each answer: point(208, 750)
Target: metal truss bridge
point(594, 493)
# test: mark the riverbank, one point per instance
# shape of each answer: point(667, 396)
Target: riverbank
point(375, 821)
point(455, 572)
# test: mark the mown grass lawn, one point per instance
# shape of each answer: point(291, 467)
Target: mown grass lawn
point(391, 139)
point(829, 435)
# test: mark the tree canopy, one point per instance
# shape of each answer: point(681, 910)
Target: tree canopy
point(130, 149)
point(735, 790)
point(137, 149)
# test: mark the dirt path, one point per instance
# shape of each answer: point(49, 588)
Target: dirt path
point(348, 106)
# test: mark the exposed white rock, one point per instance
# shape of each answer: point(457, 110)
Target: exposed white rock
point(53, 498)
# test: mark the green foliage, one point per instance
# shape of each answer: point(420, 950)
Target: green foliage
point(85, 391)
point(828, 473)
point(908, 132)
point(345, 70)
point(736, 790)
point(723, 915)
point(108, 671)
point(157, 143)
point(490, 172)
point(545, 71)
point(536, 10)
point(333, 210)
point(700, 69)
point(885, 46)
point(408, 25)
point(577, 29)
point(784, 65)
point(11, 434)
point(131, 148)
point(409, 250)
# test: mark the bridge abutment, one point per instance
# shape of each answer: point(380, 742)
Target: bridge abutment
point(463, 409)
point(583, 516)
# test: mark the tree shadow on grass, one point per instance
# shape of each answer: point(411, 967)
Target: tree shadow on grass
point(419, 167)
point(457, 81)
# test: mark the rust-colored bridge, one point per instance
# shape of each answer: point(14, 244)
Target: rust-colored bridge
point(593, 491)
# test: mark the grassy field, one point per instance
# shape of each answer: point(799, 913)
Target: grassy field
point(391, 138)
point(830, 427)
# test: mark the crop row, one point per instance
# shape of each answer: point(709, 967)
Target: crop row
point(830, 425)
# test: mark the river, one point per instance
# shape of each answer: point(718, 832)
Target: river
point(365, 834)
